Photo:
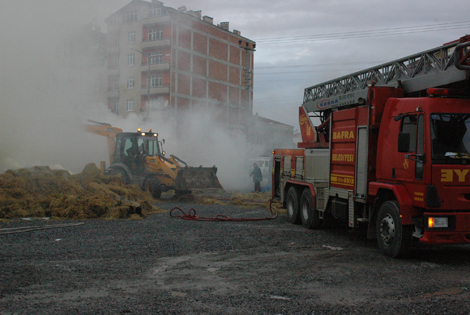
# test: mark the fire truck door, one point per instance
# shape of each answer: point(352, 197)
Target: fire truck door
point(414, 157)
point(410, 168)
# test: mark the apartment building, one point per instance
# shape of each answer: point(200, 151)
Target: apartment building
point(174, 61)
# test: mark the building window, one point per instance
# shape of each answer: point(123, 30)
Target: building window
point(155, 12)
point(116, 62)
point(115, 107)
point(155, 34)
point(130, 82)
point(130, 105)
point(131, 36)
point(131, 59)
point(155, 57)
point(116, 85)
point(155, 81)
point(131, 16)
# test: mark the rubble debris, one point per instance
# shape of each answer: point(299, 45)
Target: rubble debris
point(41, 192)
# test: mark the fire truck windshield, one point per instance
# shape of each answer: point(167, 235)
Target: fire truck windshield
point(450, 136)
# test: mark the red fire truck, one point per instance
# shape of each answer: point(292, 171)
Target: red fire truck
point(390, 152)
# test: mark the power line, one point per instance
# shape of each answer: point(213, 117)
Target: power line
point(282, 103)
point(368, 33)
point(319, 65)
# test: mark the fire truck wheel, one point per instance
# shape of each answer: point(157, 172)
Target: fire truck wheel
point(292, 205)
point(308, 213)
point(394, 238)
point(152, 185)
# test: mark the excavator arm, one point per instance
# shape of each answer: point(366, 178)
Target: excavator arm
point(106, 130)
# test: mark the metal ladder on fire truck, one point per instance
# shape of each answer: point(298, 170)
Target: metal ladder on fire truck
point(441, 66)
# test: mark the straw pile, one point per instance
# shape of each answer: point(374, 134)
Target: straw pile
point(42, 192)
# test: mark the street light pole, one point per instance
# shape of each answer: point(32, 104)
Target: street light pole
point(148, 78)
point(248, 75)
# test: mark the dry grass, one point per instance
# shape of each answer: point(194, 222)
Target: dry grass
point(42, 192)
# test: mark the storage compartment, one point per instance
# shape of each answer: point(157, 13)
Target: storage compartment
point(317, 164)
point(287, 166)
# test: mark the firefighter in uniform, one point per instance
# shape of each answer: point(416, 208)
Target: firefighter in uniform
point(257, 177)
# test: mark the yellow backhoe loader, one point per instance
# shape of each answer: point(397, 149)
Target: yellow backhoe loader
point(138, 157)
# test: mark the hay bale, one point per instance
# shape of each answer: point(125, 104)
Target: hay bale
point(40, 191)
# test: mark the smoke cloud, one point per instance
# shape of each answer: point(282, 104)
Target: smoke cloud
point(39, 124)
point(42, 117)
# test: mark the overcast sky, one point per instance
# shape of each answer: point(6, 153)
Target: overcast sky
point(299, 44)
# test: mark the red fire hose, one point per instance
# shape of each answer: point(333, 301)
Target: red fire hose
point(191, 215)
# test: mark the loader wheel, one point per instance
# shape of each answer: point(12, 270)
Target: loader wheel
point(292, 205)
point(152, 185)
point(394, 239)
point(308, 212)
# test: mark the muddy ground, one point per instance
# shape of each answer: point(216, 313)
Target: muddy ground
point(165, 265)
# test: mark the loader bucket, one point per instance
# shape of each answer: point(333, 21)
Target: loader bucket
point(195, 178)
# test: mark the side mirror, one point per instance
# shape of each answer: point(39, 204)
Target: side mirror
point(398, 117)
point(403, 142)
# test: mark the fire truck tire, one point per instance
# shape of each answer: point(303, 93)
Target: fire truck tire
point(152, 185)
point(308, 213)
point(292, 205)
point(394, 239)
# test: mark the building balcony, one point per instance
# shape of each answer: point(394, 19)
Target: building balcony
point(156, 66)
point(155, 90)
point(156, 43)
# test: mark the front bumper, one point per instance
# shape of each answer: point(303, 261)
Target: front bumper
point(457, 233)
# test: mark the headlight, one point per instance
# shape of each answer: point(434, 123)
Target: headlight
point(438, 222)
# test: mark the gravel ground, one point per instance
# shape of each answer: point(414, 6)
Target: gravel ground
point(164, 265)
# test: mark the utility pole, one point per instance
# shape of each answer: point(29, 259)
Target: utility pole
point(248, 78)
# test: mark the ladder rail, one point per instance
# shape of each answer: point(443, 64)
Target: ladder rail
point(414, 73)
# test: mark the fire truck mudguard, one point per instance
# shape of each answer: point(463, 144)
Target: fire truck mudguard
point(402, 197)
